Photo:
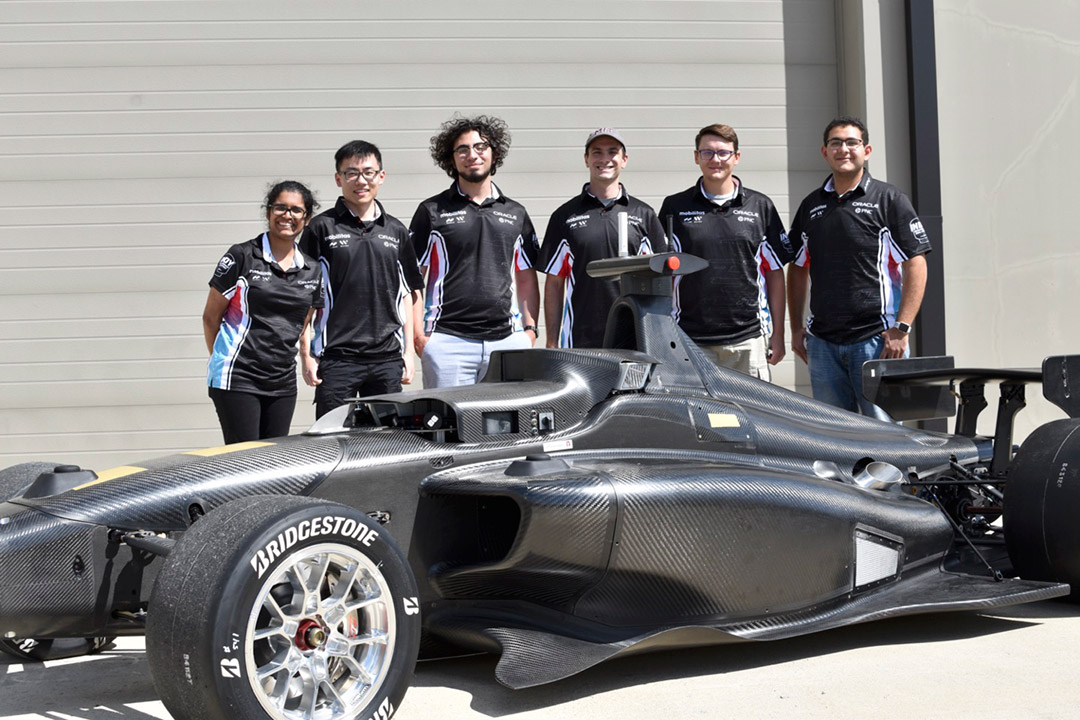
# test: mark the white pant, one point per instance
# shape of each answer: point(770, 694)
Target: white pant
point(449, 360)
point(750, 357)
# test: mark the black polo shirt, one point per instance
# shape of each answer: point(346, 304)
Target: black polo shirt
point(255, 349)
point(583, 230)
point(472, 252)
point(368, 268)
point(854, 246)
point(742, 239)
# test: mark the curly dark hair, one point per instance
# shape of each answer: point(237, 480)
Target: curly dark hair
point(492, 129)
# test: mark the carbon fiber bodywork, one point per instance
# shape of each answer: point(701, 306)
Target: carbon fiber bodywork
point(667, 501)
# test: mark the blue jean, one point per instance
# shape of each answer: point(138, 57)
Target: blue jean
point(836, 373)
point(449, 360)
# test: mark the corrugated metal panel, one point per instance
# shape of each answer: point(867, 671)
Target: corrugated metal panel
point(138, 137)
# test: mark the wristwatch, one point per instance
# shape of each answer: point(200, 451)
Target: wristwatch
point(903, 327)
point(529, 327)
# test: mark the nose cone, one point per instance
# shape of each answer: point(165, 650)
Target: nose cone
point(46, 572)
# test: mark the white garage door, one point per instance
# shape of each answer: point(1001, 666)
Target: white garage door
point(138, 137)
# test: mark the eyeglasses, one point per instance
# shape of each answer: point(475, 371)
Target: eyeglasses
point(708, 155)
point(849, 143)
point(353, 175)
point(479, 148)
point(293, 210)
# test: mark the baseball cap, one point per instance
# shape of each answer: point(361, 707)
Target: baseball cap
point(605, 132)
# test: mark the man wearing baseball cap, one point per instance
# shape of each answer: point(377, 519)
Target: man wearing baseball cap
point(583, 229)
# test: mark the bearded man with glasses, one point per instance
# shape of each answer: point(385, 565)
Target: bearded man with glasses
point(861, 258)
point(734, 309)
point(362, 340)
point(479, 249)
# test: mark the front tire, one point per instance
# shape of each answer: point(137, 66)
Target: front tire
point(283, 607)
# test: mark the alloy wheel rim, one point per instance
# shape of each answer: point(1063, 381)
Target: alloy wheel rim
point(321, 635)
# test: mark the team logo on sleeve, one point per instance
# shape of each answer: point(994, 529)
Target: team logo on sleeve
point(786, 241)
point(224, 265)
point(918, 231)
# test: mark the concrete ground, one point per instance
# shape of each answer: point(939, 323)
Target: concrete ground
point(1018, 662)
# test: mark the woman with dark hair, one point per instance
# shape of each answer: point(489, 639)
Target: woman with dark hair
point(262, 295)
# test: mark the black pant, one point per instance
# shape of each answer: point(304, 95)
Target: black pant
point(246, 416)
point(343, 379)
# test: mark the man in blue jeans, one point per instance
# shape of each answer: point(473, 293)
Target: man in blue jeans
point(861, 258)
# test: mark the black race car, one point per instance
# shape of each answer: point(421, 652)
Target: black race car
point(574, 506)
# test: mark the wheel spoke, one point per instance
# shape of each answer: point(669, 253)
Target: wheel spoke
point(373, 638)
point(270, 604)
point(280, 692)
point(286, 660)
point(362, 603)
point(308, 602)
point(357, 669)
point(273, 630)
point(329, 689)
point(345, 581)
point(310, 697)
point(317, 575)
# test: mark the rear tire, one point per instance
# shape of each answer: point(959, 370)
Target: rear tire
point(1042, 503)
point(13, 481)
point(283, 607)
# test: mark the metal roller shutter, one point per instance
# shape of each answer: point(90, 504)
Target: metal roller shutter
point(138, 138)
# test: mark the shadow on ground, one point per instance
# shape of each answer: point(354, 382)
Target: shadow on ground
point(97, 688)
point(476, 675)
point(102, 688)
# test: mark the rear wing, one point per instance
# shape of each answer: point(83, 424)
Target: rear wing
point(926, 388)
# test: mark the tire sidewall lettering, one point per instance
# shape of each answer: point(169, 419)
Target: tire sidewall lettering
point(322, 528)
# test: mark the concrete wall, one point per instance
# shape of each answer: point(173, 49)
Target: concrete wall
point(1009, 95)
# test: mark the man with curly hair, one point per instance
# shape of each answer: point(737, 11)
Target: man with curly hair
point(479, 250)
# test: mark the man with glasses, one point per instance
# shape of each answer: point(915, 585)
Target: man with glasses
point(362, 342)
point(479, 249)
point(584, 229)
point(860, 258)
point(734, 309)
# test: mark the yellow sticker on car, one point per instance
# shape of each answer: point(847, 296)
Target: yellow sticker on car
point(723, 420)
point(111, 474)
point(222, 449)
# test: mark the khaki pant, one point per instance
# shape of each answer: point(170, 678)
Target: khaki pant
point(749, 357)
